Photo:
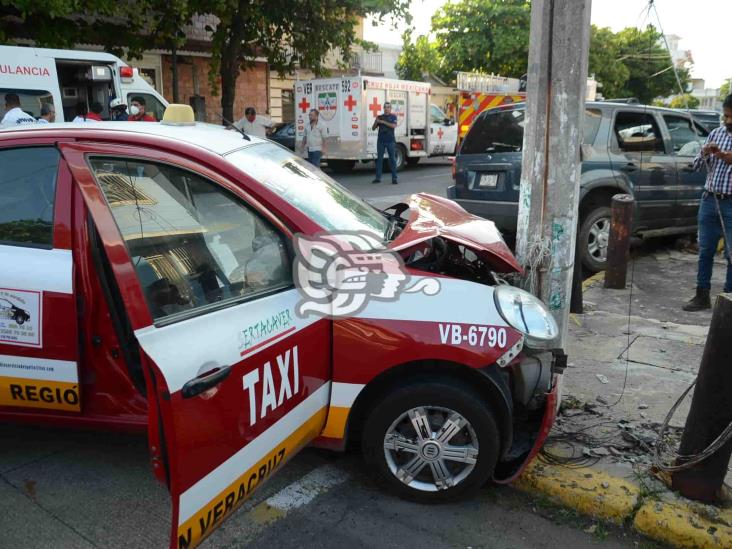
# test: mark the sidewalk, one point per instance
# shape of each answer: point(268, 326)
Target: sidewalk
point(627, 366)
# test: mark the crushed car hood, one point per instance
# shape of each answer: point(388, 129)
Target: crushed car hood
point(431, 216)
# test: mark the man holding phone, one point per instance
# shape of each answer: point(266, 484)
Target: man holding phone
point(715, 208)
point(385, 141)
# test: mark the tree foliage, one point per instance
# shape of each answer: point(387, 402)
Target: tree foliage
point(289, 34)
point(482, 35)
point(493, 36)
point(681, 101)
point(418, 58)
point(649, 65)
point(724, 91)
point(122, 28)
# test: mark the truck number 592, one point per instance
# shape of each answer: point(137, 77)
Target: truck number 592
point(475, 336)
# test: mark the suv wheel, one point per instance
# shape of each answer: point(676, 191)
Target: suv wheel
point(432, 441)
point(594, 235)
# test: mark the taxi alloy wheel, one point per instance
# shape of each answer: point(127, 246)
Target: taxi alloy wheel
point(432, 441)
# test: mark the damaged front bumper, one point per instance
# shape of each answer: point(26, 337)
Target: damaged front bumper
point(532, 426)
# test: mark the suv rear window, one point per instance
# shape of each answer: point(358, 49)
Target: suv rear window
point(496, 131)
point(503, 131)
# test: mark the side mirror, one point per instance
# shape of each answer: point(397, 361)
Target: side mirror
point(448, 121)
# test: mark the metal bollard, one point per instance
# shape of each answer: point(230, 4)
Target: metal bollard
point(618, 247)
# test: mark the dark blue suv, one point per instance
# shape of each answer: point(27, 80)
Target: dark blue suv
point(635, 149)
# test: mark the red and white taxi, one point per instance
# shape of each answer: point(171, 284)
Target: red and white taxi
point(148, 283)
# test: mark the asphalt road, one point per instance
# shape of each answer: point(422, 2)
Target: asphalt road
point(432, 175)
point(81, 489)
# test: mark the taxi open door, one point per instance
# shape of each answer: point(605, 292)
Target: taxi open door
point(237, 383)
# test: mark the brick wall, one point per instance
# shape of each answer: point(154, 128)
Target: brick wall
point(251, 86)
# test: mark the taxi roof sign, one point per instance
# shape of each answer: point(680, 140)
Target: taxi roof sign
point(179, 115)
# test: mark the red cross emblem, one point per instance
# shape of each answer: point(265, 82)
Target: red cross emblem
point(350, 103)
point(440, 133)
point(304, 105)
point(374, 107)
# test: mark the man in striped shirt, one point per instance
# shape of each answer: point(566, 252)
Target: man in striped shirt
point(715, 209)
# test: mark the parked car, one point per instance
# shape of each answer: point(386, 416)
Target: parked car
point(284, 134)
point(166, 263)
point(644, 151)
point(708, 119)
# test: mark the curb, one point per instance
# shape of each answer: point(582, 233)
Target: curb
point(588, 282)
point(676, 521)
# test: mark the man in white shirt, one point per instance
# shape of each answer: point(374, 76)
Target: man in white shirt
point(14, 115)
point(48, 114)
point(252, 124)
point(314, 140)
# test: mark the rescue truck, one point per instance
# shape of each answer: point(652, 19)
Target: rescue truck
point(479, 92)
point(68, 77)
point(175, 280)
point(348, 106)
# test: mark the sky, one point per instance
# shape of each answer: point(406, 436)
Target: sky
point(700, 23)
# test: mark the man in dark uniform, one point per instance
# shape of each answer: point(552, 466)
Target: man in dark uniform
point(386, 141)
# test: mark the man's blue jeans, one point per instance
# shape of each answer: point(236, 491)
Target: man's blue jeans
point(710, 231)
point(314, 157)
point(389, 146)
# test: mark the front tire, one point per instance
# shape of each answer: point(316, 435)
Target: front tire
point(432, 441)
point(593, 238)
point(400, 157)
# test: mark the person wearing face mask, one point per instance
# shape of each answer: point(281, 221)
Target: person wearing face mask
point(137, 111)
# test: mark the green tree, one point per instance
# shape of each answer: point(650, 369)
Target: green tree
point(724, 90)
point(418, 57)
point(604, 64)
point(483, 35)
point(649, 65)
point(118, 26)
point(633, 63)
point(288, 34)
point(683, 101)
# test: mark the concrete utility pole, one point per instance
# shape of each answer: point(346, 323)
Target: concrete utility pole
point(550, 169)
point(710, 413)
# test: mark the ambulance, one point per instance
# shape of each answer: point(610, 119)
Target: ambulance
point(68, 77)
point(236, 304)
point(348, 106)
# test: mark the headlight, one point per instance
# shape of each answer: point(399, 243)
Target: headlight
point(527, 314)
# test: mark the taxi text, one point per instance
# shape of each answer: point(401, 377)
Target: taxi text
point(267, 394)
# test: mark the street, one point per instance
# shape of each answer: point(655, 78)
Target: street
point(431, 176)
point(83, 489)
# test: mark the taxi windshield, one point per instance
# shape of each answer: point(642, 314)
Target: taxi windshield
point(308, 189)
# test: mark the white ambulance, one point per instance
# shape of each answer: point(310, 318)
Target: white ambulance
point(348, 106)
point(68, 77)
